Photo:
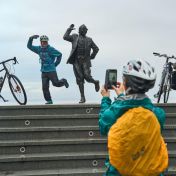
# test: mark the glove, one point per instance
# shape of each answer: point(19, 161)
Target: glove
point(34, 36)
point(72, 27)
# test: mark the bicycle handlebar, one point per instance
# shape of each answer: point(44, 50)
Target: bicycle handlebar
point(156, 54)
point(164, 55)
point(13, 59)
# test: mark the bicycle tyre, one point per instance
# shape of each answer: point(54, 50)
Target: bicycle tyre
point(167, 89)
point(161, 88)
point(19, 89)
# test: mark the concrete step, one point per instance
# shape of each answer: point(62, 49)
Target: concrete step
point(69, 172)
point(49, 120)
point(168, 107)
point(171, 143)
point(34, 133)
point(93, 160)
point(62, 145)
point(172, 158)
point(170, 118)
point(50, 109)
point(53, 146)
point(52, 161)
point(65, 109)
point(169, 131)
point(58, 172)
point(171, 171)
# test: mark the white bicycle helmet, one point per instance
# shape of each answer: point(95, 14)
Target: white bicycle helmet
point(44, 38)
point(140, 75)
point(141, 69)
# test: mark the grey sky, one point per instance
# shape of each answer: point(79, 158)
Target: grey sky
point(123, 30)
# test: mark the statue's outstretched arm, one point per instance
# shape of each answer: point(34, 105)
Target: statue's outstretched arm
point(67, 35)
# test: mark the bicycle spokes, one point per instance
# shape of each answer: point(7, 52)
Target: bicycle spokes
point(17, 90)
point(15, 86)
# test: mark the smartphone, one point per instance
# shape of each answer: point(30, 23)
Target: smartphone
point(110, 78)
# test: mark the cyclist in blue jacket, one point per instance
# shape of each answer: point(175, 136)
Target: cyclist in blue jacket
point(50, 59)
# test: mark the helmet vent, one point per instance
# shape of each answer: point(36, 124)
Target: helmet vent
point(135, 68)
point(149, 73)
point(139, 63)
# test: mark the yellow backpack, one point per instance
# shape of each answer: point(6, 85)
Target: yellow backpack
point(135, 144)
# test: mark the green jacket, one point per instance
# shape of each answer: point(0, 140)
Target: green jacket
point(109, 113)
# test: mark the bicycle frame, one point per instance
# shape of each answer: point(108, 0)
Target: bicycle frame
point(164, 86)
point(5, 76)
point(3, 82)
point(166, 71)
point(15, 85)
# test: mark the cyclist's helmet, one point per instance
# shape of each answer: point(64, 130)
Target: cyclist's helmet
point(140, 76)
point(44, 38)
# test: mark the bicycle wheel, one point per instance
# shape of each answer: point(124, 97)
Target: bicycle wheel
point(161, 87)
point(167, 88)
point(17, 89)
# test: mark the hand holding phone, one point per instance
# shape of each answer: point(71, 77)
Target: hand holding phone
point(104, 92)
point(119, 89)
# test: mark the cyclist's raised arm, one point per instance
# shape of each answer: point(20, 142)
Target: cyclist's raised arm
point(35, 49)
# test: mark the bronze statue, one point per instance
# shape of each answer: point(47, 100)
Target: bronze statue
point(80, 57)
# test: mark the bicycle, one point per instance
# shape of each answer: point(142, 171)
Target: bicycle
point(15, 84)
point(165, 83)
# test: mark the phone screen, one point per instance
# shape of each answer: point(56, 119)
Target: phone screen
point(112, 77)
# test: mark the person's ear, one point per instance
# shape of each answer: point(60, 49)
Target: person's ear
point(124, 83)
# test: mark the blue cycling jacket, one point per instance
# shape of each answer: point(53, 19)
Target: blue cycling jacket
point(49, 56)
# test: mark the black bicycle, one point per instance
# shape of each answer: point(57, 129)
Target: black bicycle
point(15, 84)
point(166, 84)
